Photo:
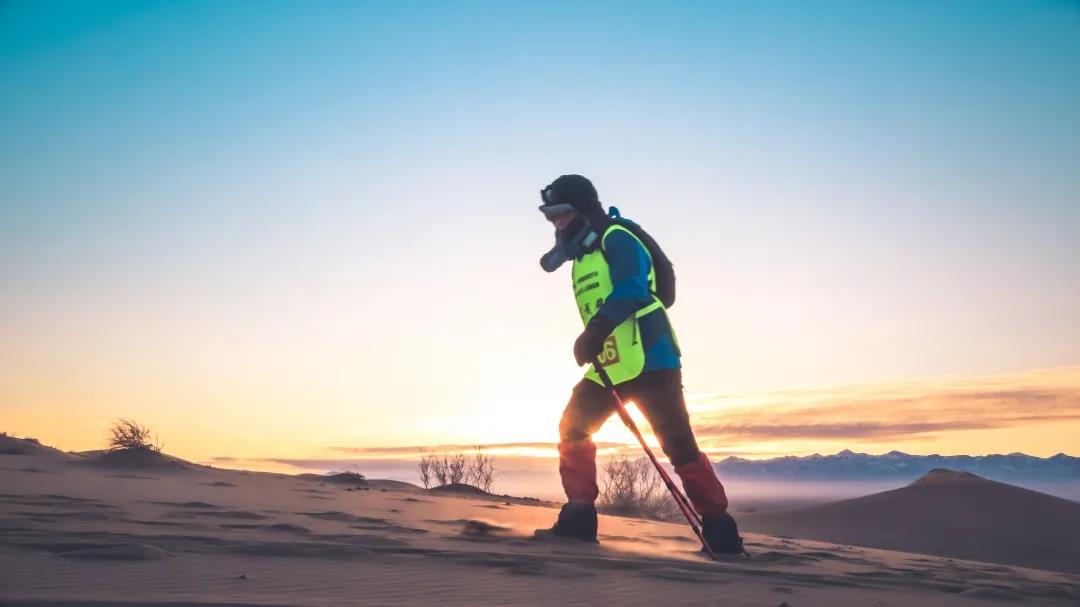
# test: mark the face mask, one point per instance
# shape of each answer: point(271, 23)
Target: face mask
point(571, 242)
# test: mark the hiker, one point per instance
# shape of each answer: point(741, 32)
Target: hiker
point(623, 284)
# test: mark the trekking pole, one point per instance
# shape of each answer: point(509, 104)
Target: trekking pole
point(676, 493)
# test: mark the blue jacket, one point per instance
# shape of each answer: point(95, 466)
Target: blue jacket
point(629, 265)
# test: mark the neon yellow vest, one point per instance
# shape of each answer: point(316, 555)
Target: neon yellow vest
point(623, 356)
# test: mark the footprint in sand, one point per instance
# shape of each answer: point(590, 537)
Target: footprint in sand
point(785, 558)
point(480, 529)
point(195, 505)
point(626, 538)
point(279, 527)
point(118, 552)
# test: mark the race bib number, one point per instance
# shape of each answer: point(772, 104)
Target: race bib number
point(610, 354)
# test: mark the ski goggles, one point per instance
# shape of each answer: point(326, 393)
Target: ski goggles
point(551, 207)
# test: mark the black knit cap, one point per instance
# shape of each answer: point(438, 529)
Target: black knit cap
point(578, 192)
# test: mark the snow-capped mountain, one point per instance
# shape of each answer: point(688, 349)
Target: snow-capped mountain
point(848, 465)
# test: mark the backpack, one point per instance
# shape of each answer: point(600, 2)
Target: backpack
point(665, 272)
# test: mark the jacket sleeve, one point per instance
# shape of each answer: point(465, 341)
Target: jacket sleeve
point(629, 265)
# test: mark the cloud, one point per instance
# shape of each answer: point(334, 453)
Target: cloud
point(895, 412)
point(495, 448)
point(398, 455)
point(852, 431)
point(449, 448)
point(408, 456)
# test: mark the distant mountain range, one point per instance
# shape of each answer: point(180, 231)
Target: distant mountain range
point(896, 465)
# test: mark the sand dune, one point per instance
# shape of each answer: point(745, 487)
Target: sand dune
point(136, 459)
point(945, 513)
point(77, 534)
point(10, 445)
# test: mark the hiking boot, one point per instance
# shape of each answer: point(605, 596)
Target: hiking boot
point(722, 534)
point(576, 520)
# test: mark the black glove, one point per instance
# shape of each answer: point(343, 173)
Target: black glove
point(591, 341)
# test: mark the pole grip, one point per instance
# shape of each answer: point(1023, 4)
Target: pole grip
point(603, 374)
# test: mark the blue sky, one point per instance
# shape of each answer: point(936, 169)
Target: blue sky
point(316, 209)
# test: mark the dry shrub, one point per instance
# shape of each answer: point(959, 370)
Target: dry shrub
point(439, 469)
point(456, 468)
point(354, 470)
point(633, 487)
point(350, 475)
point(426, 472)
point(482, 471)
point(127, 434)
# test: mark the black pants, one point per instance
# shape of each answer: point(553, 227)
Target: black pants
point(659, 396)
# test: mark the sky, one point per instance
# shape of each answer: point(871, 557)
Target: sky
point(276, 230)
